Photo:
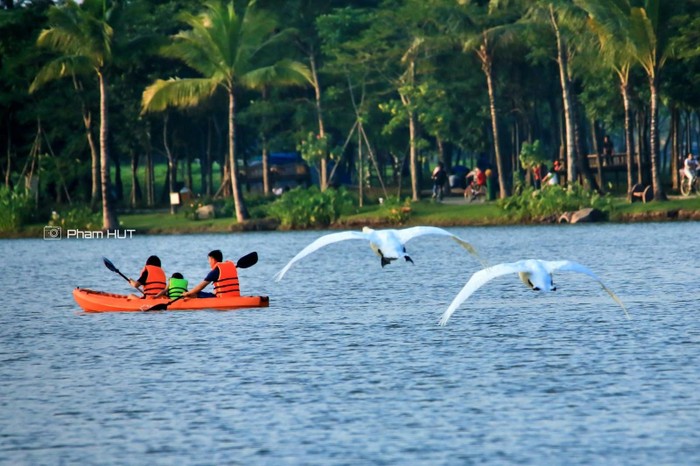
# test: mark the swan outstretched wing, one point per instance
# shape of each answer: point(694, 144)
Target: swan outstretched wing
point(477, 281)
point(408, 234)
point(319, 243)
point(571, 266)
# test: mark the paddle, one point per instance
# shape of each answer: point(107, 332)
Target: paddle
point(244, 262)
point(110, 266)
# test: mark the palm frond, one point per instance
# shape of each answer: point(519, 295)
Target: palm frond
point(644, 38)
point(180, 93)
point(282, 73)
point(60, 68)
point(73, 31)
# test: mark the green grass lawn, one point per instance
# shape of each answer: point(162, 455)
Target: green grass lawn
point(425, 212)
point(165, 222)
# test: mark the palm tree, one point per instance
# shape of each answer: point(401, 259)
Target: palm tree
point(485, 51)
point(493, 31)
point(83, 37)
point(560, 18)
point(228, 47)
point(617, 54)
point(644, 29)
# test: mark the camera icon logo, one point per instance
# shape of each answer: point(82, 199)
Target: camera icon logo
point(51, 233)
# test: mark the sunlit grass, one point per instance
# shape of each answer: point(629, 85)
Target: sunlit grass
point(166, 222)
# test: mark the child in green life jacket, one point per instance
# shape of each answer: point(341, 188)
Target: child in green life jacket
point(176, 286)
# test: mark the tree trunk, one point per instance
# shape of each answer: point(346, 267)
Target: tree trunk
point(150, 175)
point(659, 194)
point(415, 187)
point(584, 167)
point(241, 212)
point(360, 171)
point(629, 136)
point(118, 185)
point(596, 151)
point(135, 194)
point(205, 164)
point(487, 68)
point(675, 146)
point(265, 152)
point(265, 166)
point(319, 115)
point(562, 59)
point(109, 216)
point(640, 146)
point(94, 159)
point(9, 157)
point(415, 182)
point(172, 165)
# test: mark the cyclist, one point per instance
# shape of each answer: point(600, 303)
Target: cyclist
point(478, 183)
point(690, 168)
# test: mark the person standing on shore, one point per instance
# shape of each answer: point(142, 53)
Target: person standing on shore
point(439, 177)
point(608, 149)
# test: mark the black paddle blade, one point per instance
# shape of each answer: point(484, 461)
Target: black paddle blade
point(248, 260)
point(158, 307)
point(163, 306)
point(109, 265)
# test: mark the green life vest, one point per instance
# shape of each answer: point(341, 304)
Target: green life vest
point(176, 286)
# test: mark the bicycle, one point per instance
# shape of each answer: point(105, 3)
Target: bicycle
point(475, 191)
point(689, 186)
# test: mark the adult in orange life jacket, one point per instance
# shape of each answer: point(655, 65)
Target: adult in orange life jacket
point(223, 274)
point(152, 278)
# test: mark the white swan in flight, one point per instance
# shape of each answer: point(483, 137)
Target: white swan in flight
point(536, 274)
point(387, 244)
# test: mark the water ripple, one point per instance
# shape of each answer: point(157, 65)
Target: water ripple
point(349, 366)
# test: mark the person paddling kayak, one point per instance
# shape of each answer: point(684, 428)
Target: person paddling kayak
point(152, 277)
point(224, 275)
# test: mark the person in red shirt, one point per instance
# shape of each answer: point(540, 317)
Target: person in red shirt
point(478, 183)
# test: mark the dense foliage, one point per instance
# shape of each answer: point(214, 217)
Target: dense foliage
point(552, 201)
point(372, 93)
point(15, 209)
point(306, 208)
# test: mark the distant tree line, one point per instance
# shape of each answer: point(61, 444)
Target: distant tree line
point(379, 88)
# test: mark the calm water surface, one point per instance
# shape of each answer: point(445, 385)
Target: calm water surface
point(348, 365)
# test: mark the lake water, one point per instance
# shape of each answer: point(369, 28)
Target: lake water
point(348, 364)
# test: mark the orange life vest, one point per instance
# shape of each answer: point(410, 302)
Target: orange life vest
point(227, 284)
point(155, 281)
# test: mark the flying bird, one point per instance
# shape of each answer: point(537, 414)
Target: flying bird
point(389, 245)
point(536, 274)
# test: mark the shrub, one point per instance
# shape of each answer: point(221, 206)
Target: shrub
point(15, 208)
point(395, 211)
point(306, 208)
point(552, 201)
point(79, 218)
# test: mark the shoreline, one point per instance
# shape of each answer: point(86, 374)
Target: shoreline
point(267, 224)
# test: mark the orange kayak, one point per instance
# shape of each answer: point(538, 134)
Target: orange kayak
point(99, 301)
